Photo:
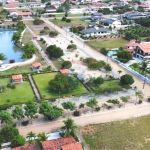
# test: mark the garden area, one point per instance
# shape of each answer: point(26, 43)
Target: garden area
point(42, 82)
point(59, 22)
point(15, 93)
point(127, 134)
point(110, 43)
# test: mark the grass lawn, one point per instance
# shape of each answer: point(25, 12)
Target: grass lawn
point(27, 37)
point(21, 94)
point(42, 81)
point(58, 22)
point(57, 63)
point(131, 134)
point(110, 43)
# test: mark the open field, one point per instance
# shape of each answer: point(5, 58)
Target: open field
point(21, 94)
point(42, 81)
point(131, 134)
point(58, 22)
point(107, 43)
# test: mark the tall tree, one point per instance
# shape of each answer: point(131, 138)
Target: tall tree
point(92, 103)
point(42, 137)
point(28, 51)
point(70, 128)
point(31, 110)
point(2, 56)
point(126, 79)
point(31, 136)
point(50, 112)
point(18, 113)
point(98, 81)
point(69, 106)
point(5, 117)
point(144, 66)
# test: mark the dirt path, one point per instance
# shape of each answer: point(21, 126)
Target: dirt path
point(102, 117)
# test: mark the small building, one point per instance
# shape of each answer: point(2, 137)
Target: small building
point(111, 22)
point(96, 16)
point(34, 37)
point(36, 66)
point(22, 14)
point(67, 143)
point(142, 51)
point(64, 71)
point(27, 147)
point(51, 10)
point(17, 78)
point(95, 32)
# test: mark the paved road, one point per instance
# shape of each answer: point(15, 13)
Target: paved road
point(34, 87)
point(47, 60)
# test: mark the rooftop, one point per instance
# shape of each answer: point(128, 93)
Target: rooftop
point(57, 143)
point(15, 77)
point(145, 46)
point(72, 146)
point(27, 147)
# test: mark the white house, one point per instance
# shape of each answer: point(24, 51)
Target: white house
point(111, 22)
point(95, 32)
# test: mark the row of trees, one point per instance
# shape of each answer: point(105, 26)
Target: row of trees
point(94, 64)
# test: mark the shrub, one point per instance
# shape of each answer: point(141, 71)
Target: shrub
point(9, 85)
point(68, 20)
point(38, 22)
point(76, 113)
point(13, 86)
point(126, 79)
point(140, 101)
point(63, 18)
point(97, 108)
point(18, 141)
point(25, 123)
point(53, 34)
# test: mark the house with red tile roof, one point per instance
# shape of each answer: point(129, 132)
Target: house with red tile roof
point(27, 147)
point(142, 51)
point(17, 78)
point(36, 66)
point(16, 13)
point(64, 71)
point(67, 143)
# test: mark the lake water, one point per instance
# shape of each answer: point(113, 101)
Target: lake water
point(8, 48)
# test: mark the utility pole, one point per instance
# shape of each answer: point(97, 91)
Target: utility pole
point(144, 84)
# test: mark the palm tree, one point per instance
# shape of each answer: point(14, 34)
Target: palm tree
point(70, 128)
point(42, 137)
point(144, 65)
point(31, 136)
point(139, 95)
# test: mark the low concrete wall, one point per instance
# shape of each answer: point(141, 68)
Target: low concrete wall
point(8, 66)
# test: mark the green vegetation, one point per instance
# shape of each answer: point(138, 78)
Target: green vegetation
point(42, 82)
point(21, 94)
point(27, 36)
point(111, 43)
point(119, 135)
point(38, 21)
point(59, 22)
point(124, 56)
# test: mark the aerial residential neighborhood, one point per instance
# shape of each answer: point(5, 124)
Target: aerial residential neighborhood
point(74, 75)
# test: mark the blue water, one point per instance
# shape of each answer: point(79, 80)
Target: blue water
point(110, 53)
point(8, 48)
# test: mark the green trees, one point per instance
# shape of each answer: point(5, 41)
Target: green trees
point(66, 7)
point(72, 47)
point(139, 96)
point(38, 21)
point(98, 81)
point(92, 103)
point(5, 117)
point(2, 56)
point(50, 112)
point(126, 79)
point(31, 136)
point(31, 110)
point(18, 141)
point(107, 67)
point(16, 37)
point(42, 137)
point(8, 133)
point(125, 99)
point(70, 128)
point(66, 65)
point(69, 105)
point(53, 34)
point(17, 113)
point(144, 66)
point(28, 51)
point(54, 51)
point(63, 83)
point(124, 56)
